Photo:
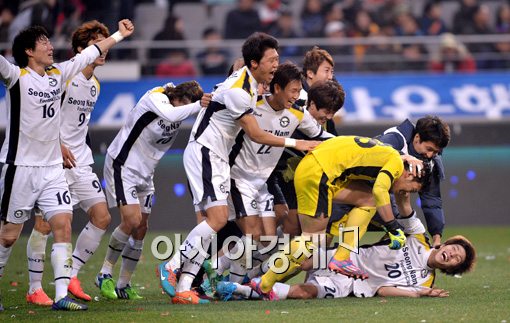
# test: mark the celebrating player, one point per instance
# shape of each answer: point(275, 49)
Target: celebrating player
point(80, 96)
point(150, 130)
point(425, 141)
point(33, 173)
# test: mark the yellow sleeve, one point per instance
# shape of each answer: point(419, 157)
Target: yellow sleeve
point(387, 175)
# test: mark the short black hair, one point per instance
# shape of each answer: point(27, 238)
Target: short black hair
point(285, 73)
point(209, 31)
point(255, 46)
point(329, 95)
point(432, 128)
point(24, 40)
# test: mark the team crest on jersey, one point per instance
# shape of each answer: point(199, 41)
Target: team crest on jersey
point(133, 194)
point(18, 214)
point(284, 121)
point(253, 204)
point(424, 273)
point(222, 188)
point(93, 90)
point(53, 82)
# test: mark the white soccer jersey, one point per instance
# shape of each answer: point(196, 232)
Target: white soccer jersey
point(406, 268)
point(79, 100)
point(150, 130)
point(253, 163)
point(216, 126)
point(33, 110)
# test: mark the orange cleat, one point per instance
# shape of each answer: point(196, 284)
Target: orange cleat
point(75, 289)
point(188, 297)
point(40, 298)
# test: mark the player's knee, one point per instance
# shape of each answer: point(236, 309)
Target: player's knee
point(8, 242)
point(42, 226)
point(101, 219)
point(132, 220)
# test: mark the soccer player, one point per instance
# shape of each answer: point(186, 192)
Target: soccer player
point(335, 171)
point(425, 141)
point(206, 157)
point(318, 65)
point(79, 98)
point(408, 272)
point(150, 130)
point(252, 163)
point(32, 172)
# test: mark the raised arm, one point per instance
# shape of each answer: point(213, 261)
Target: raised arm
point(126, 28)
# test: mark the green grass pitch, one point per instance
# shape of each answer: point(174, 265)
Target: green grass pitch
point(482, 296)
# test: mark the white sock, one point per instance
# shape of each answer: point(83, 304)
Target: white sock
point(224, 263)
point(61, 261)
point(237, 271)
point(4, 257)
point(282, 290)
point(86, 244)
point(246, 291)
point(200, 236)
point(116, 244)
point(130, 257)
point(36, 254)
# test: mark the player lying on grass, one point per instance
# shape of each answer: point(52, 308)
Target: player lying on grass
point(407, 272)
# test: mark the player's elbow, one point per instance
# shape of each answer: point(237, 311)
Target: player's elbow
point(303, 291)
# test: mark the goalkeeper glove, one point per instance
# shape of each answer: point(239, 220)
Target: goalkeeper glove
point(397, 236)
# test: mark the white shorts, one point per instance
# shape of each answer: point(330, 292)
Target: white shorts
point(24, 187)
point(124, 186)
point(246, 200)
point(208, 176)
point(86, 190)
point(331, 285)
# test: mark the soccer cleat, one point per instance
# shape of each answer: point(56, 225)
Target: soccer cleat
point(269, 296)
point(39, 297)
point(106, 284)
point(75, 289)
point(213, 277)
point(68, 304)
point(127, 292)
point(225, 290)
point(206, 288)
point(188, 297)
point(167, 279)
point(347, 268)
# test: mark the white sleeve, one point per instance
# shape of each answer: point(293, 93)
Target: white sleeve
point(238, 103)
point(165, 110)
point(76, 64)
point(8, 72)
point(310, 127)
point(412, 224)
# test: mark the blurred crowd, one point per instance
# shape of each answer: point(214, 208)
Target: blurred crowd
point(333, 20)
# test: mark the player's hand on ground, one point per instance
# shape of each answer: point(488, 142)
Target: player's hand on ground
point(205, 100)
point(433, 292)
point(68, 157)
point(126, 27)
point(415, 165)
point(305, 145)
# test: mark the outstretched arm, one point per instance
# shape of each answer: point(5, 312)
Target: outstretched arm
point(252, 129)
point(387, 291)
